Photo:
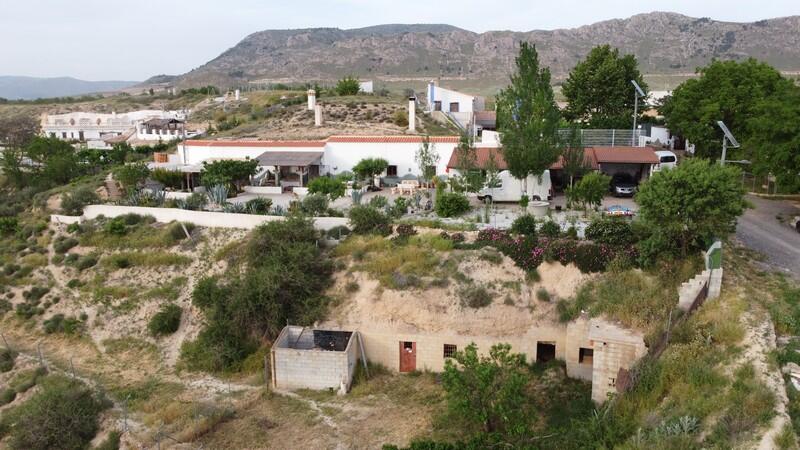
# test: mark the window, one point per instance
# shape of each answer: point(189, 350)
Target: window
point(437, 105)
point(454, 107)
point(450, 350)
point(63, 135)
point(391, 171)
point(585, 356)
point(408, 346)
point(667, 159)
point(612, 382)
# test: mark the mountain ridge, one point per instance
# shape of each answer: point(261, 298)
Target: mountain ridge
point(26, 88)
point(663, 42)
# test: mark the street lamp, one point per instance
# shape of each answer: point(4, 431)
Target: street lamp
point(637, 92)
point(725, 139)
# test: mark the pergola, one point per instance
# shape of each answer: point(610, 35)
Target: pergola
point(304, 161)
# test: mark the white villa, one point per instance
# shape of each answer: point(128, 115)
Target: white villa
point(102, 130)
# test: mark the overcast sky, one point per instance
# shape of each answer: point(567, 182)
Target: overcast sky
point(112, 39)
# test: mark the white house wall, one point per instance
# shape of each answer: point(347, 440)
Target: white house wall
point(466, 103)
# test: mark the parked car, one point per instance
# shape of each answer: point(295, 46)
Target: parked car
point(666, 160)
point(511, 189)
point(623, 185)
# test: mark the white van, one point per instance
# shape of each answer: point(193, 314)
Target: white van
point(510, 189)
point(666, 160)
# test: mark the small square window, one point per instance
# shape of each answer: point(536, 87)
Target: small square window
point(408, 345)
point(612, 382)
point(450, 350)
point(391, 171)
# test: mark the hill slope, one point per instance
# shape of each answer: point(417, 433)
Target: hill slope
point(663, 43)
point(14, 88)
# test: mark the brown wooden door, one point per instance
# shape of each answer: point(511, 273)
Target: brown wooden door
point(408, 356)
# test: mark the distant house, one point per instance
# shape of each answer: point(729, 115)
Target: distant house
point(450, 101)
point(366, 87)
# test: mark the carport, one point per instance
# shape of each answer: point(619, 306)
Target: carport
point(291, 168)
point(635, 161)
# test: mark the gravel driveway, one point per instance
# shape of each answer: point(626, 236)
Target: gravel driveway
point(760, 230)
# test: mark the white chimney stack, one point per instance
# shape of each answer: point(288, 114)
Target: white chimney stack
point(312, 99)
point(236, 95)
point(317, 115)
point(412, 112)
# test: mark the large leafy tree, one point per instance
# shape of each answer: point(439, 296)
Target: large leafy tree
point(725, 90)
point(599, 89)
point(228, 172)
point(488, 392)
point(528, 118)
point(368, 168)
point(691, 204)
point(773, 138)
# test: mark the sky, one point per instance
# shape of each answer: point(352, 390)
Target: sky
point(116, 40)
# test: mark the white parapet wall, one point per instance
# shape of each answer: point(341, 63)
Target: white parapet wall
point(199, 218)
point(265, 190)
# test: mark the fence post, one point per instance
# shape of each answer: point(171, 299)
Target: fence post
point(5, 342)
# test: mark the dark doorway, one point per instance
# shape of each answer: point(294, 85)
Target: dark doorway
point(80, 136)
point(545, 351)
point(408, 356)
point(585, 356)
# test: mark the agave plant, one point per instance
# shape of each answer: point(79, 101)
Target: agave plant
point(182, 204)
point(238, 208)
point(356, 196)
point(278, 210)
point(134, 197)
point(417, 199)
point(218, 194)
point(159, 197)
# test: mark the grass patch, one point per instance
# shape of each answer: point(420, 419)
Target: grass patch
point(145, 259)
point(130, 346)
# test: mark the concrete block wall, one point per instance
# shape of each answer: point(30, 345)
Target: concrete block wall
point(690, 290)
point(614, 348)
point(715, 283)
point(303, 367)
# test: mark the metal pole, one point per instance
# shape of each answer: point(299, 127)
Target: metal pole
point(635, 113)
point(724, 151)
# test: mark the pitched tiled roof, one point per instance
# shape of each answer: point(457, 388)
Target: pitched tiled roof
point(625, 155)
point(594, 156)
point(207, 143)
point(394, 139)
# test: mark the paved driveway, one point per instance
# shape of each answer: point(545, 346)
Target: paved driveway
point(760, 230)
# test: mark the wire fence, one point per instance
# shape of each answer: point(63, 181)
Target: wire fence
point(759, 184)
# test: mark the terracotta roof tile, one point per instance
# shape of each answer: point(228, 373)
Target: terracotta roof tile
point(625, 155)
point(208, 143)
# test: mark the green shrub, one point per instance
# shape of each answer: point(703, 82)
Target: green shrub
point(542, 295)
point(611, 231)
point(64, 414)
point(550, 229)
point(400, 118)
point(378, 202)
point(524, 225)
point(368, 220)
point(259, 206)
point(451, 204)
point(58, 323)
point(63, 244)
point(166, 320)
point(7, 358)
point(72, 203)
point(8, 225)
point(591, 257)
point(85, 262)
point(314, 204)
point(7, 396)
point(332, 187)
point(474, 296)
point(116, 226)
point(35, 293)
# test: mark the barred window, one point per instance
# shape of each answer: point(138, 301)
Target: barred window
point(450, 350)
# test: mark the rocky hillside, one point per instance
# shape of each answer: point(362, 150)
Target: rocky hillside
point(664, 43)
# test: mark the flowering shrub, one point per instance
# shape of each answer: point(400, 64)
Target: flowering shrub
point(591, 257)
point(562, 250)
point(405, 230)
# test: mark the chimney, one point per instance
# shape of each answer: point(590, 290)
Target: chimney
point(317, 115)
point(412, 112)
point(312, 99)
point(236, 95)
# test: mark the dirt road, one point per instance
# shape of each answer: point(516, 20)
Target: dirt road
point(760, 230)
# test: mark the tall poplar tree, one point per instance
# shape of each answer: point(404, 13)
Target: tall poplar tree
point(528, 118)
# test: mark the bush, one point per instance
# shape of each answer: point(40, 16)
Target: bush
point(72, 203)
point(338, 232)
point(400, 118)
point(348, 85)
point(525, 225)
point(550, 229)
point(314, 204)
point(611, 231)
point(562, 250)
point(405, 230)
point(474, 296)
point(58, 323)
point(367, 220)
point(592, 257)
point(166, 320)
point(542, 295)
point(85, 262)
point(8, 225)
point(378, 202)
point(62, 244)
point(451, 204)
point(7, 396)
point(35, 293)
point(175, 233)
point(116, 226)
point(259, 206)
point(7, 358)
point(332, 187)
point(64, 414)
